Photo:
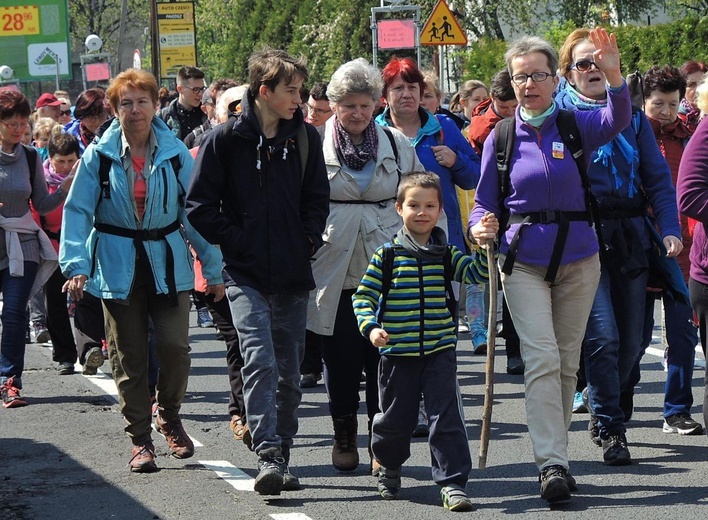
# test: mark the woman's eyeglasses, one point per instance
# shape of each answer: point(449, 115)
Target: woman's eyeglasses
point(15, 126)
point(536, 77)
point(583, 65)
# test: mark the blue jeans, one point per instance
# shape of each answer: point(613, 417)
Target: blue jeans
point(682, 337)
point(15, 295)
point(612, 344)
point(271, 333)
point(477, 312)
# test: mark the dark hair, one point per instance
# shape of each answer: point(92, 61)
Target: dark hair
point(271, 66)
point(186, 73)
point(501, 87)
point(318, 92)
point(304, 94)
point(63, 144)
point(665, 79)
point(418, 180)
point(407, 69)
point(692, 66)
point(13, 103)
point(91, 102)
point(220, 86)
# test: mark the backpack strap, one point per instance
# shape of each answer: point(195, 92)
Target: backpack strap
point(104, 181)
point(504, 133)
point(176, 166)
point(391, 140)
point(387, 256)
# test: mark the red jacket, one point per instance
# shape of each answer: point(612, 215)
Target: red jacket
point(484, 118)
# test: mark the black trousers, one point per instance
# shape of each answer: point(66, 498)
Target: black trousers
point(221, 314)
point(346, 353)
point(699, 301)
point(58, 322)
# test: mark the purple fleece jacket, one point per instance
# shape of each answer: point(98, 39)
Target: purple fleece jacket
point(540, 181)
point(692, 193)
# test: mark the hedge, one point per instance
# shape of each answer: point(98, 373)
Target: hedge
point(640, 47)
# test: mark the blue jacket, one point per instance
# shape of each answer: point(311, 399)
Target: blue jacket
point(651, 180)
point(464, 173)
point(109, 260)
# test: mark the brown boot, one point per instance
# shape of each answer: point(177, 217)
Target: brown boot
point(345, 456)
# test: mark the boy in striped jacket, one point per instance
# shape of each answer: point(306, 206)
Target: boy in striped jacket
point(416, 338)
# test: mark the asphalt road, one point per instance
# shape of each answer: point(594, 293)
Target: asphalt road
point(65, 456)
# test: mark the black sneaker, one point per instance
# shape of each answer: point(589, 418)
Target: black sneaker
point(554, 484)
point(615, 451)
point(594, 431)
point(389, 483)
point(683, 424)
point(290, 481)
point(270, 472)
point(515, 366)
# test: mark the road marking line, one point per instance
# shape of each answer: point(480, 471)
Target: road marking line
point(290, 516)
point(230, 473)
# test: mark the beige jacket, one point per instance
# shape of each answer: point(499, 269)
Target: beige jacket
point(354, 231)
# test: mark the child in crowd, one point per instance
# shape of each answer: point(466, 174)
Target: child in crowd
point(411, 324)
point(43, 130)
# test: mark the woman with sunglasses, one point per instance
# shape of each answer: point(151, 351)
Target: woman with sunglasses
point(546, 196)
point(627, 174)
point(90, 112)
point(27, 258)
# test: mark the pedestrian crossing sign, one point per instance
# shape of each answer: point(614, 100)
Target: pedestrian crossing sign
point(442, 28)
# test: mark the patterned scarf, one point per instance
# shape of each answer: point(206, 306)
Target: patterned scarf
point(53, 178)
point(85, 134)
point(606, 151)
point(356, 156)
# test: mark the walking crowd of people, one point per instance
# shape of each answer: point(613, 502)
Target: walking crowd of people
point(341, 233)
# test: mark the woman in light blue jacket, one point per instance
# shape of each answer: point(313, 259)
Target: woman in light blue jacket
point(124, 239)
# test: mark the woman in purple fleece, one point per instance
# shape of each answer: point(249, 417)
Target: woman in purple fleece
point(545, 194)
point(692, 192)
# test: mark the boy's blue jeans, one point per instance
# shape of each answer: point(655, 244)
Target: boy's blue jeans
point(271, 333)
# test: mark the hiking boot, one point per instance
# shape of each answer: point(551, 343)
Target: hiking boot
point(615, 451)
point(290, 481)
point(65, 368)
point(389, 483)
point(480, 349)
point(270, 472)
point(570, 480)
point(683, 424)
point(181, 446)
point(204, 319)
point(143, 459)
point(93, 361)
point(238, 426)
point(345, 456)
point(10, 395)
point(454, 498)
point(515, 366)
point(554, 484)
point(309, 380)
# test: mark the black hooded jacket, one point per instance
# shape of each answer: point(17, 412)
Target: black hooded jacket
point(248, 195)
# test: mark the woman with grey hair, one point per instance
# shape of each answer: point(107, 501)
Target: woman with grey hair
point(364, 162)
point(549, 278)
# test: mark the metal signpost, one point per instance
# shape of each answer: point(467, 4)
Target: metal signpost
point(388, 34)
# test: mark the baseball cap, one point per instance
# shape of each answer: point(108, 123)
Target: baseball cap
point(206, 97)
point(47, 100)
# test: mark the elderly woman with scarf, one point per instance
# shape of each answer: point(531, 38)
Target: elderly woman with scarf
point(626, 175)
point(364, 162)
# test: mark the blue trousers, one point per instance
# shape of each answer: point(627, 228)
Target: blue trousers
point(15, 295)
point(271, 334)
point(682, 337)
point(612, 343)
point(699, 302)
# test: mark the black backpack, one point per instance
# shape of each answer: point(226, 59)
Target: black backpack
point(504, 133)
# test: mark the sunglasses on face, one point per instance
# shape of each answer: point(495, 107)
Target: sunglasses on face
point(583, 65)
point(66, 112)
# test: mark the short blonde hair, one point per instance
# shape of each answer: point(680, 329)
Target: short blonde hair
point(46, 125)
point(702, 95)
point(431, 84)
point(131, 78)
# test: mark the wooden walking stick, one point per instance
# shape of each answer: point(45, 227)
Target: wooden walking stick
point(491, 345)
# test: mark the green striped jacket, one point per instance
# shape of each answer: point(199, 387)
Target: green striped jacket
point(417, 319)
